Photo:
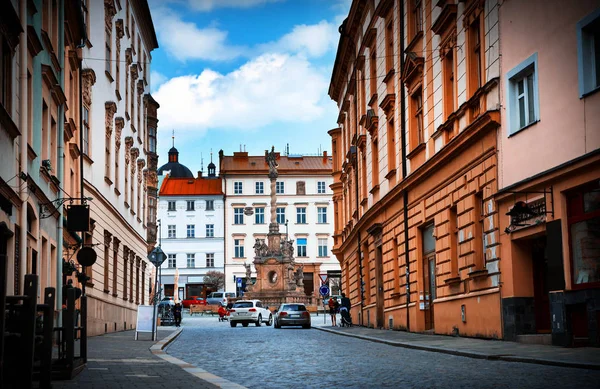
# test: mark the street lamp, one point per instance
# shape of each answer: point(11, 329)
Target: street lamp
point(157, 257)
point(287, 237)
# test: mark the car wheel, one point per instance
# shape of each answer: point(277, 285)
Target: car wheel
point(233, 323)
point(306, 326)
point(244, 324)
point(259, 321)
point(270, 320)
point(277, 325)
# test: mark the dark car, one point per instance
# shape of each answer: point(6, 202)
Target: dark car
point(193, 300)
point(292, 315)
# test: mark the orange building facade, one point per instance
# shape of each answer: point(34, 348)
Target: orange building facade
point(415, 165)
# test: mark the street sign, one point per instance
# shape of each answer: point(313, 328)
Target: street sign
point(239, 282)
point(323, 278)
point(324, 290)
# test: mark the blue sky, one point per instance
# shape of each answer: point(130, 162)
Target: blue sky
point(244, 72)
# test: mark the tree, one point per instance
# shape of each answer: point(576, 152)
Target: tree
point(216, 279)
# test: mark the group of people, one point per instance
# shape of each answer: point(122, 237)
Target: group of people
point(336, 307)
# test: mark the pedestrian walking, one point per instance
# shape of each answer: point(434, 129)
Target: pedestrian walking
point(333, 306)
point(177, 313)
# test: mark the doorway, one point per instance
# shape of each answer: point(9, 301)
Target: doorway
point(541, 297)
point(429, 285)
point(380, 297)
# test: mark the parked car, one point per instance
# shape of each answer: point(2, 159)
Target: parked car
point(167, 301)
point(193, 300)
point(292, 315)
point(249, 311)
point(219, 298)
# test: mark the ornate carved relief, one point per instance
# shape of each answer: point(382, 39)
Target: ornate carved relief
point(89, 79)
point(119, 124)
point(128, 57)
point(135, 152)
point(111, 108)
point(134, 74)
point(119, 29)
point(109, 12)
point(128, 144)
point(140, 88)
point(140, 165)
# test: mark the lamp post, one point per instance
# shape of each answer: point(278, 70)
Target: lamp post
point(157, 257)
point(287, 237)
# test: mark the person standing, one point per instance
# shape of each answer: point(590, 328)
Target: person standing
point(177, 314)
point(332, 310)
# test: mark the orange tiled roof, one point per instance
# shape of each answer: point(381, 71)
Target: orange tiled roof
point(190, 186)
point(240, 162)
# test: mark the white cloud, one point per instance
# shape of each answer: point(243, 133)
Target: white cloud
point(313, 40)
point(209, 5)
point(268, 89)
point(156, 80)
point(184, 40)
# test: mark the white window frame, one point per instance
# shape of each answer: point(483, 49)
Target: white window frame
point(238, 216)
point(171, 261)
point(280, 215)
point(321, 188)
point(190, 231)
point(238, 188)
point(259, 215)
point(588, 78)
point(323, 247)
point(193, 205)
point(518, 73)
point(301, 215)
point(191, 259)
point(302, 250)
point(321, 215)
point(280, 187)
point(210, 205)
point(171, 231)
point(238, 248)
point(259, 187)
point(210, 259)
point(173, 208)
point(210, 230)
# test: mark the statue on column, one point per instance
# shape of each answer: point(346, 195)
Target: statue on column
point(248, 272)
point(300, 276)
point(271, 159)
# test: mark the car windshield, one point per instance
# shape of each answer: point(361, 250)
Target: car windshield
point(294, 307)
point(243, 304)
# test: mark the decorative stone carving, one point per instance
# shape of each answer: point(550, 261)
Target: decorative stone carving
point(140, 165)
point(134, 74)
point(119, 124)
point(89, 79)
point(248, 272)
point(300, 276)
point(300, 188)
point(140, 89)
point(271, 160)
point(120, 30)
point(260, 248)
point(135, 152)
point(111, 108)
point(109, 12)
point(128, 144)
point(128, 57)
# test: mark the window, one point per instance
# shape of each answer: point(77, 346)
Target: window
point(238, 245)
point(190, 205)
point(152, 139)
point(210, 260)
point(259, 216)
point(171, 206)
point(280, 215)
point(453, 231)
point(373, 70)
point(86, 131)
point(191, 231)
point(389, 45)
point(5, 74)
point(260, 188)
point(417, 113)
point(323, 252)
point(480, 241)
point(415, 23)
point(522, 95)
point(391, 145)
point(171, 231)
point(237, 187)
point(210, 230)
point(301, 242)
point(301, 215)
point(449, 93)
point(321, 215)
point(191, 260)
point(171, 261)
point(210, 205)
point(321, 187)
point(279, 187)
point(588, 53)
point(238, 216)
point(374, 162)
point(583, 209)
point(475, 76)
point(108, 52)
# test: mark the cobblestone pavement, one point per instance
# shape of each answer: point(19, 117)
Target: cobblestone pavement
point(116, 360)
point(265, 357)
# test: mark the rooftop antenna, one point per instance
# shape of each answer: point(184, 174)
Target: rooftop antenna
point(287, 149)
point(173, 137)
point(211, 155)
point(244, 147)
point(201, 163)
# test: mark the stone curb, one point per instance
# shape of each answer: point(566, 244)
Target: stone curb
point(158, 350)
point(469, 354)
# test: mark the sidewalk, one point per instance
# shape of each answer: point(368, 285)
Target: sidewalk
point(116, 360)
point(581, 357)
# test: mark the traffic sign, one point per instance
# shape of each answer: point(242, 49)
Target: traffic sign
point(324, 290)
point(323, 278)
point(239, 282)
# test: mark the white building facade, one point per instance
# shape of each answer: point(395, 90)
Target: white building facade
point(304, 201)
point(191, 233)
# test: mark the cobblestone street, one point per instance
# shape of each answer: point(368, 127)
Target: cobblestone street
point(264, 357)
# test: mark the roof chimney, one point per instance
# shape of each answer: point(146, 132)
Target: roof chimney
point(199, 173)
point(325, 156)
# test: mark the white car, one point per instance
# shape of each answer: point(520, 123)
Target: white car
point(249, 311)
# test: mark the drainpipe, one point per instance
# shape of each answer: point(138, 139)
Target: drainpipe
point(24, 159)
point(404, 170)
point(60, 172)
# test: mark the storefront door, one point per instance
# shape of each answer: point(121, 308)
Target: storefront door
point(540, 284)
